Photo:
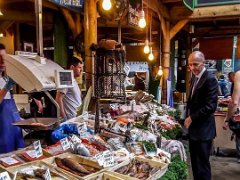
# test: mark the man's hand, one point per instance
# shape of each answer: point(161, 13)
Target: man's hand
point(187, 122)
point(9, 84)
point(225, 125)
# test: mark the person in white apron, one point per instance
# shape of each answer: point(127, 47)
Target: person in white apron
point(11, 137)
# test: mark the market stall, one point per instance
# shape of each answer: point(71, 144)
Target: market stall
point(134, 136)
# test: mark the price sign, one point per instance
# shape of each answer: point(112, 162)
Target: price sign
point(47, 175)
point(82, 128)
point(9, 160)
point(108, 159)
point(75, 139)
point(99, 158)
point(38, 148)
point(85, 115)
point(65, 143)
point(4, 176)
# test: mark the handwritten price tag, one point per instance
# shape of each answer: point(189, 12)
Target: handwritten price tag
point(99, 158)
point(82, 128)
point(9, 160)
point(4, 176)
point(75, 139)
point(38, 148)
point(65, 143)
point(105, 159)
point(47, 175)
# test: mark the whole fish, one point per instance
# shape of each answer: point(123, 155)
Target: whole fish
point(74, 165)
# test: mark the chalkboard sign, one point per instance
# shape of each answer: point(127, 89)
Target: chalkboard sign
point(215, 2)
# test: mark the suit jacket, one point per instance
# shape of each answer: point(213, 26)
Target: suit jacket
point(201, 106)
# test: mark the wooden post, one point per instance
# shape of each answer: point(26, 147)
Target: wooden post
point(90, 36)
point(166, 60)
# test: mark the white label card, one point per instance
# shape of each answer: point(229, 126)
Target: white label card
point(38, 148)
point(108, 159)
point(82, 128)
point(65, 143)
point(9, 160)
point(4, 176)
point(75, 139)
point(47, 175)
point(99, 158)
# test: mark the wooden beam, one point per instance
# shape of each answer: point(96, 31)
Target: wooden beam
point(171, 1)
point(179, 12)
point(46, 3)
point(5, 25)
point(163, 25)
point(180, 24)
point(158, 7)
point(18, 16)
point(78, 24)
point(69, 20)
point(220, 31)
point(216, 11)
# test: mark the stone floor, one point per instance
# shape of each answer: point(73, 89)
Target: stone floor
point(223, 168)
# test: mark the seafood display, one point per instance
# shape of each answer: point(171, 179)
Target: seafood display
point(75, 167)
point(36, 170)
point(137, 169)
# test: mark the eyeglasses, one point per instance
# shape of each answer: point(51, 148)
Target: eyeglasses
point(194, 64)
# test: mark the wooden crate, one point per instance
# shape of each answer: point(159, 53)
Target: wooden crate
point(22, 161)
point(79, 159)
point(161, 166)
point(107, 175)
point(58, 175)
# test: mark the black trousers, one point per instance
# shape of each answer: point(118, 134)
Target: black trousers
point(200, 153)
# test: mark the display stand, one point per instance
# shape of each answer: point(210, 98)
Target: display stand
point(109, 76)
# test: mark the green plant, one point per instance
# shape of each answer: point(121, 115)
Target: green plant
point(176, 113)
point(172, 134)
point(177, 170)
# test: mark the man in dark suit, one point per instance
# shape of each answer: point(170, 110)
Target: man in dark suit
point(200, 122)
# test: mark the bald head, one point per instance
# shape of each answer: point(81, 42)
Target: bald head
point(196, 62)
point(197, 56)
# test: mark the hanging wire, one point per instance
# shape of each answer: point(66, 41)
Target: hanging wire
point(160, 46)
point(150, 36)
point(146, 21)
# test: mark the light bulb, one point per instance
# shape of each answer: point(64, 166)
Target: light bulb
point(150, 56)
point(1, 14)
point(160, 71)
point(146, 49)
point(107, 5)
point(1, 35)
point(142, 22)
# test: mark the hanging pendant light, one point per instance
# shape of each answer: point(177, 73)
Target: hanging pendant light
point(151, 56)
point(146, 49)
point(160, 71)
point(142, 22)
point(107, 5)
